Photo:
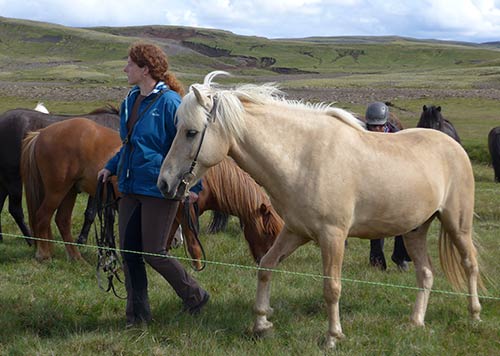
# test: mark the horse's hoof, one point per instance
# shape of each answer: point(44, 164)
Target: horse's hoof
point(404, 266)
point(330, 341)
point(263, 333)
point(263, 329)
point(42, 258)
point(378, 262)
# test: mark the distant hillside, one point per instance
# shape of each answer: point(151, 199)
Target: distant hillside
point(32, 50)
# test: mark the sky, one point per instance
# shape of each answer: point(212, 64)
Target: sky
point(459, 20)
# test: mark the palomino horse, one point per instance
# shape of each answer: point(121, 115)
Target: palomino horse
point(313, 161)
point(230, 190)
point(14, 125)
point(431, 118)
point(64, 158)
point(494, 148)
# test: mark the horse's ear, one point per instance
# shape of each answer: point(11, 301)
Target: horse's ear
point(438, 108)
point(203, 100)
point(424, 108)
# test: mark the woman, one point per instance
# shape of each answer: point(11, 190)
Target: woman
point(147, 130)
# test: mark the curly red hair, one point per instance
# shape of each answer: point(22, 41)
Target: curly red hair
point(152, 56)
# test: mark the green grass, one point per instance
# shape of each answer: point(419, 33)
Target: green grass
point(57, 308)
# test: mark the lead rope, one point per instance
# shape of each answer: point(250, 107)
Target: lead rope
point(108, 261)
point(194, 226)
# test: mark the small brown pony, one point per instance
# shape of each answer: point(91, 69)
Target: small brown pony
point(63, 159)
point(230, 190)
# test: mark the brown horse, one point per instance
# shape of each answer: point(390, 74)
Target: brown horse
point(57, 163)
point(63, 159)
point(230, 190)
point(14, 125)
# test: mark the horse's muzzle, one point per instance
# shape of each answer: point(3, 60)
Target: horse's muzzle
point(172, 193)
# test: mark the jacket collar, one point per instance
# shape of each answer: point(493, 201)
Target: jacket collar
point(136, 90)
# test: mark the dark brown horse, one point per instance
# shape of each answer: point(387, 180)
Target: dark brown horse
point(431, 118)
point(230, 190)
point(64, 158)
point(494, 148)
point(14, 125)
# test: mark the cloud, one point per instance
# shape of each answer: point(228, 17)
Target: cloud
point(468, 20)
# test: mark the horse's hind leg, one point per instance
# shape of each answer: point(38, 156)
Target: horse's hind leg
point(42, 232)
point(63, 221)
point(285, 244)
point(416, 245)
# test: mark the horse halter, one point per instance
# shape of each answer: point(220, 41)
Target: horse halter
point(188, 176)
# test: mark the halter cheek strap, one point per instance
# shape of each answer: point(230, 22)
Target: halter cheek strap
point(189, 176)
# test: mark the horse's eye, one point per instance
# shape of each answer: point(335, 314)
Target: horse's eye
point(191, 133)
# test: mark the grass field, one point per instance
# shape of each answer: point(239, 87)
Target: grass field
point(57, 308)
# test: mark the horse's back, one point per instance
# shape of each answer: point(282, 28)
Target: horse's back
point(78, 145)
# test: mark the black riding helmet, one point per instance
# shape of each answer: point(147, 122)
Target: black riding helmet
point(377, 113)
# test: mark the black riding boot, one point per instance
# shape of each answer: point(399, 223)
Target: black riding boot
point(136, 282)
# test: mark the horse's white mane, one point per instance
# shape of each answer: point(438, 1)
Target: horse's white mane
point(230, 107)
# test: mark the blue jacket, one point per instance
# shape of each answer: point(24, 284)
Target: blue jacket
point(138, 162)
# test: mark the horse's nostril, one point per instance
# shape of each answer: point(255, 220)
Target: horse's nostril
point(163, 186)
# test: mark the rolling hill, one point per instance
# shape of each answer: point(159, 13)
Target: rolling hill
point(36, 51)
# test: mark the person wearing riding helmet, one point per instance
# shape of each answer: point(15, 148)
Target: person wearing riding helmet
point(377, 120)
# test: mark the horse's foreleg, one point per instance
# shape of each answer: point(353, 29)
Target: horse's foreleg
point(285, 244)
point(332, 244)
point(63, 221)
point(89, 217)
point(416, 245)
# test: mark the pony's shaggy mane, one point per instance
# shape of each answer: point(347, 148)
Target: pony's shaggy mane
point(239, 193)
point(229, 108)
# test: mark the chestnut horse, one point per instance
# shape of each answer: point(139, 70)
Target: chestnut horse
point(230, 190)
point(314, 161)
point(14, 125)
point(57, 163)
point(64, 158)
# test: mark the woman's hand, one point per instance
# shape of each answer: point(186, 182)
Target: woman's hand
point(103, 175)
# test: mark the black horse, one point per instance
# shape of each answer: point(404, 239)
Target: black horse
point(14, 125)
point(494, 148)
point(431, 118)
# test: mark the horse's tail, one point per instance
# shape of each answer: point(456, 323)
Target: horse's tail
point(31, 176)
point(219, 222)
point(451, 262)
